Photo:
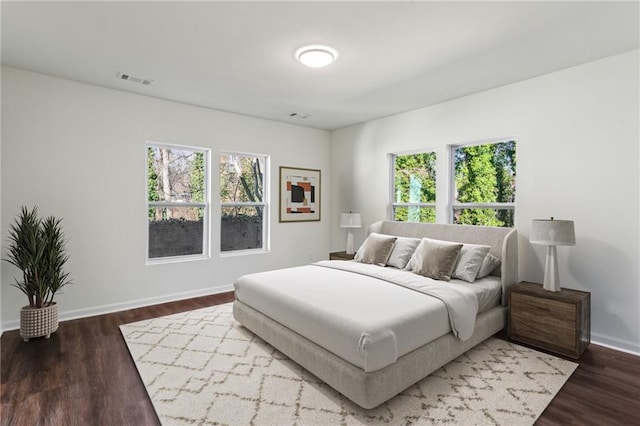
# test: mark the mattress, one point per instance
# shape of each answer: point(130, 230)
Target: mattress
point(368, 322)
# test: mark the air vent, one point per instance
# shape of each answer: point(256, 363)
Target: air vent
point(127, 77)
point(299, 115)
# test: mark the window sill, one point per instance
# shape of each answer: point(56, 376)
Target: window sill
point(247, 252)
point(176, 259)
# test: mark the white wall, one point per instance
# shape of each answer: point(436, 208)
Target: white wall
point(1, 268)
point(577, 135)
point(78, 152)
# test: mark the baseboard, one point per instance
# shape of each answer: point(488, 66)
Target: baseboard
point(617, 344)
point(117, 307)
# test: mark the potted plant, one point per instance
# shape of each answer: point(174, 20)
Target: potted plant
point(37, 248)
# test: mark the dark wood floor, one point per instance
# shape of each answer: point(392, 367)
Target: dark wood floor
point(84, 375)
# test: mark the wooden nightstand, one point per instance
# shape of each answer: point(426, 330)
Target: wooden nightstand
point(340, 255)
point(559, 321)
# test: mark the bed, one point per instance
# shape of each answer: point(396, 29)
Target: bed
point(370, 329)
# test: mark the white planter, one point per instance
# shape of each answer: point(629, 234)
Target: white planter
point(37, 322)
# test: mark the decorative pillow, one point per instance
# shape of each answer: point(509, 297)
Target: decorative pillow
point(489, 264)
point(375, 249)
point(436, 259)
point(402, 251)
point(470, 261)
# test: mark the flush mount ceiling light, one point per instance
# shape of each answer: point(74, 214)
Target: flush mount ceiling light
point(316, 56)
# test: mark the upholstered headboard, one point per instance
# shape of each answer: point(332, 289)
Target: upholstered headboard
point(503, 242)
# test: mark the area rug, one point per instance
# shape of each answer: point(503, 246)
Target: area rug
point(203, 368)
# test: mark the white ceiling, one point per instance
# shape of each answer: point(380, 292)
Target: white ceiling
point(238, 56)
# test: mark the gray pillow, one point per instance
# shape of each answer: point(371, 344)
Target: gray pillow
point(470, 261)
point(402, 251)
point(489, 264)
point(375, 249)
point(435, 259)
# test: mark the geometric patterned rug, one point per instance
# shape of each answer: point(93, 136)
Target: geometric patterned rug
point(201, 367)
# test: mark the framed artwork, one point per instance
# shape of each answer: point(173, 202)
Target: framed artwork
point(299, 195)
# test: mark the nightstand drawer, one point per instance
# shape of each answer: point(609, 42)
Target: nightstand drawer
point(544, 320)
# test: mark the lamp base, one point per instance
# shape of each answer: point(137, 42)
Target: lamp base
point(551, 278)
point(350, 242)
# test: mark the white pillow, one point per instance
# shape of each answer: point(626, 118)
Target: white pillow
point(435, 259)
point(489, 264)
point(375, 249)
point(402, 251)
point(470, 261)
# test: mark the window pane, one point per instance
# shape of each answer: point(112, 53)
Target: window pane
point(241, 228)
point(175, 231)
point(414, 214)
point(484, 217)
point(485, 173)
point(415, 178)
point(241, 178)
point(175, 174)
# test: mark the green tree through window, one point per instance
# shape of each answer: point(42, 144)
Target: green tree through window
point(485, 178)
point(152, 180)
point(198, 179)
point(414, 178)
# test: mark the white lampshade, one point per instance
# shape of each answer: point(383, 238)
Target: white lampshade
point(350, 220)
point(551, 232)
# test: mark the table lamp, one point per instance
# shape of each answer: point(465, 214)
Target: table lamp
point(350, 221)
point(552, 233)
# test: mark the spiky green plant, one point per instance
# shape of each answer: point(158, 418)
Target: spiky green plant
point(37, 248)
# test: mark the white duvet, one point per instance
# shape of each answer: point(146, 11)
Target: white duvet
point(365, 314)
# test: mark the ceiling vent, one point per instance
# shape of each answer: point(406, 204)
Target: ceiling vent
point(127, 77)
point(299, 115)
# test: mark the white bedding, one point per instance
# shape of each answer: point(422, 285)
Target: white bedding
point(488, 291)
point(385, 322)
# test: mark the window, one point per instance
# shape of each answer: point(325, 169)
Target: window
point(484, 184)
point(414, 187)
point(243, 200)
point(177, 201)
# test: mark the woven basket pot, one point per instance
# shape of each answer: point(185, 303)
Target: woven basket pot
point(36, 322)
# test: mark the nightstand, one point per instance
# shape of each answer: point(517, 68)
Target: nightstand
point(340, 255)
point(558, 321)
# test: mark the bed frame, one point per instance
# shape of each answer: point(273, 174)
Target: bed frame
point(370, 389)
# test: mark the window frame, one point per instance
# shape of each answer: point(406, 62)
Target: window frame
point(266, 204)
point(206, 205)
point(392, 184)
point(452, 205)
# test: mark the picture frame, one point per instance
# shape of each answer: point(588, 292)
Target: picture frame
point(299, 194)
